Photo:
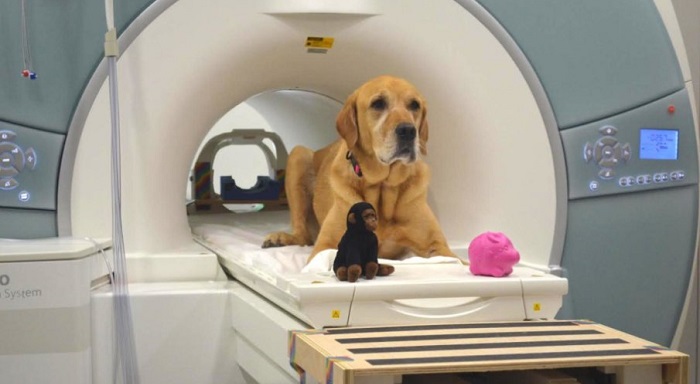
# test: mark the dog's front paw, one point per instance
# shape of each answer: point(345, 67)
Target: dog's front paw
point(281, 239)
point(278, 239)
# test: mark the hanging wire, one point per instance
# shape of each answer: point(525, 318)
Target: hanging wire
point(124, 332)
point(28, 69)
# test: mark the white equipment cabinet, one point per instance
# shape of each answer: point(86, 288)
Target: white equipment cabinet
point(45, 321)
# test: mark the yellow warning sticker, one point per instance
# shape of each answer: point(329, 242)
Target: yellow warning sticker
point(319, 42)
point(335, 314)
point(537, 307)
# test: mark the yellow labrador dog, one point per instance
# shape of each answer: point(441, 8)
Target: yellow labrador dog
point(378, 159)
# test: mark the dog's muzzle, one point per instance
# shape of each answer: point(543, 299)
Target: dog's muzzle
point(405, 142)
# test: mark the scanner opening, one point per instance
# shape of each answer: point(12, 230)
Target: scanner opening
point(490, 156)
point(297, 116)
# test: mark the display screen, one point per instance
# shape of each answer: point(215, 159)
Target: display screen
point(658, 144)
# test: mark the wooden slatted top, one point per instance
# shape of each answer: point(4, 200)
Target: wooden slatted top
point(338, 355)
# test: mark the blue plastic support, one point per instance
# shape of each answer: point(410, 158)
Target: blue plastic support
point(264, 189)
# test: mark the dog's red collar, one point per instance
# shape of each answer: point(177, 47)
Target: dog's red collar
point(355, 165)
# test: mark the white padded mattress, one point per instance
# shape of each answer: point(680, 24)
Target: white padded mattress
point(436, 289)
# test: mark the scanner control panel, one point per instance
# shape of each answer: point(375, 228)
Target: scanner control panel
point(29, 160)
point(13, 160)
point(649, 147)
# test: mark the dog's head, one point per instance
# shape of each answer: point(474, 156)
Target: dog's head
point(386, 117)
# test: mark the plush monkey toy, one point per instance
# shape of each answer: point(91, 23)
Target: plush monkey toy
point(358, 248)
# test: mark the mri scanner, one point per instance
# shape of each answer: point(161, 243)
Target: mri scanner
point(569, 126)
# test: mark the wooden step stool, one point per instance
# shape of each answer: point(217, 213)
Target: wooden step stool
point(363, 355)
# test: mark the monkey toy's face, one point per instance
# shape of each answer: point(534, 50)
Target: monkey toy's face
point(370, 219)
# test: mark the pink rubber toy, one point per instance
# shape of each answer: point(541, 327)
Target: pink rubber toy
point(492, 254)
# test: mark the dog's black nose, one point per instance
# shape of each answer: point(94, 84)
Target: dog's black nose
point(406, 131)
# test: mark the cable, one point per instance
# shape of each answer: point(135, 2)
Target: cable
point(28, 70)
point(101, 250)
point(126, 349)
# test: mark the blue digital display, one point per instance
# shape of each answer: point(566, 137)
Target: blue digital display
point(658, 144)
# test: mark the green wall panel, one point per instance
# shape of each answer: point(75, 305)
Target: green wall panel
point(595, 58)
point(629, 259)
point(66, 44)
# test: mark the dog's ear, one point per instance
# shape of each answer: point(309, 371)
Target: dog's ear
point(423, 131)
point(346, 123)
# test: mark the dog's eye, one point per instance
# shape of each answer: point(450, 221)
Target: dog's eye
point(414, 105)
point(378, 104)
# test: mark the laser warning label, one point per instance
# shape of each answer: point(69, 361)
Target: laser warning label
point(319, 44)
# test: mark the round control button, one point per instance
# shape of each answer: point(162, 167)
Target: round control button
point(677, 175)
point(626, 152)
point(19, 158)
point(617, 151)
point(7, 161)
point(24, 196)
point(608, 162)
point(7, 164)
point(30, 156)
point(588, 152)
point(608, 152)
point(12, 156)
point(661, 177)
point(609, 157)
point(603, 144)
point(593, 186)
point(6, 146)
point(8, 184)
point(606, 174)
point(608, 130)
point(7, 135)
